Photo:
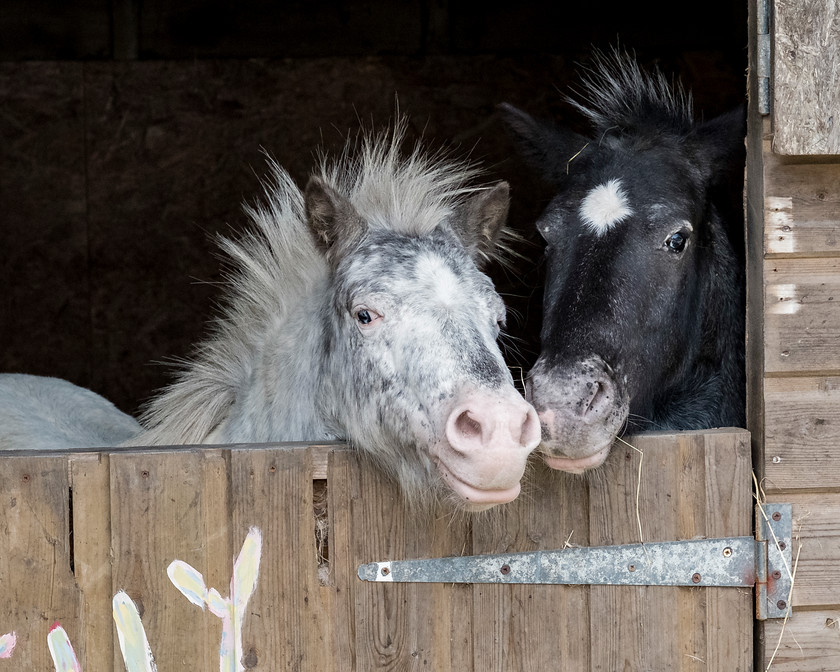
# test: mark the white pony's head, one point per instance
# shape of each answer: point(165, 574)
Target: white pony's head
point(415, 376)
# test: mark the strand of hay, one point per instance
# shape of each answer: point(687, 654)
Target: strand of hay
point(638, 491)
point(761, 501)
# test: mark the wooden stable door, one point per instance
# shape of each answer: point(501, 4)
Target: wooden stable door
point(793, 264)
point(78, 529)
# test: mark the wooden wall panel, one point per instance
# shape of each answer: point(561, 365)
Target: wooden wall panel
point(816, 519)
point(806, 60)
point(810, 641)
point(802, 434)
point(802, 315)
point(802, 207)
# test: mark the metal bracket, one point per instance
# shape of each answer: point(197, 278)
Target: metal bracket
point(774, 578)
point(729, 561)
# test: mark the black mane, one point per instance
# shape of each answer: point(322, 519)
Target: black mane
point(616, 94)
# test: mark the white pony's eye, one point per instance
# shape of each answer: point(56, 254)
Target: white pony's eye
point(366, 318)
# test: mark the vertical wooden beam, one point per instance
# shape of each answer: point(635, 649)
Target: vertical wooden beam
point(90, 483)
point(37, 587)
point(157, 514)
point(693, 484)
point(533, 627)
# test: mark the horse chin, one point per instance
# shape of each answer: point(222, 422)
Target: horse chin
point(577, 465)
point(475, 498)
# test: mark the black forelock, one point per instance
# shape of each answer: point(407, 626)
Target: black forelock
point(615, 94)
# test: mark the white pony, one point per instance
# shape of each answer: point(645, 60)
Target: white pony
point(355, 311)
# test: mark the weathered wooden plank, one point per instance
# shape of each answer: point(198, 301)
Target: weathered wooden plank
point(802, 432)
point(810, 642)
point(801, 208)
point(533, 627)
point(816, 526)
point(806, 60)
point(36, 582)
point(288, 623)
point(342, 572)
point(728, 502)
point(220, 545)
point(692, 484)
point(157, 517)
point(90, 482)
point(802, 315)
point(403, 626)
point(757, 131)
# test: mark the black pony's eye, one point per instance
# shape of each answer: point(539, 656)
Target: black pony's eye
point(364, 317)
point(676, 241)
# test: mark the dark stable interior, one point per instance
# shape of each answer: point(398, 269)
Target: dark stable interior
point(133, 131)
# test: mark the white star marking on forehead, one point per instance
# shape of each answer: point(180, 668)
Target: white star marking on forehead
point(435, 276)
point(604, 207)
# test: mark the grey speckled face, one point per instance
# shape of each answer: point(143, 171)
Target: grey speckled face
point(415, 325)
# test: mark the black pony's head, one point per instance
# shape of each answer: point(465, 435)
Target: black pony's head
point(638, 259)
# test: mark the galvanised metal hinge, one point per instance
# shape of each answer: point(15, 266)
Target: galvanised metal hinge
point(763, 562)
point(763, 55)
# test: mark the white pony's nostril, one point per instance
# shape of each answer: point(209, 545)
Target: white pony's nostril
point(467, 426)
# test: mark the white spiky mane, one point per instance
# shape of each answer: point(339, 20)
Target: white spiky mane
point(411, 194)
point(276, 264)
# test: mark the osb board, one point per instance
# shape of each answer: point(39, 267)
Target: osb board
point(135, 512)
point(806, 89)
point(802, 315)
point(802, 432)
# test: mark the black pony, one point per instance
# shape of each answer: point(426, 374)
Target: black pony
point(643, 311)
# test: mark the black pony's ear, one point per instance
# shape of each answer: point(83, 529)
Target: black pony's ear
point(481, 220)
point(331, 217)
point(546, 148)
point(719, 143)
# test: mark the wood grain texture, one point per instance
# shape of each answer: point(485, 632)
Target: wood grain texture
point(802, 207)
point(806, 88)
point(810, 642)
point(533, 627)
point(802, 315)
point(693, 485)
point(403, 626)
point(816, 526)
point(196, 505)
point(157, 517)
point(802, 433)
point(36, 582)
point(90, 481)
point(288, 623)
point(757, 130)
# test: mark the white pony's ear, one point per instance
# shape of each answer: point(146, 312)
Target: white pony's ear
point(329, 214)
point(482, 219)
